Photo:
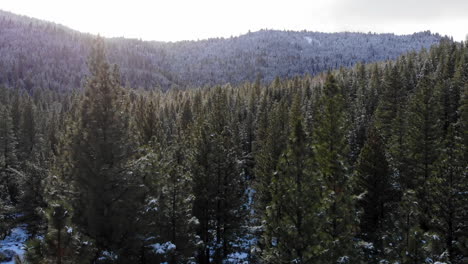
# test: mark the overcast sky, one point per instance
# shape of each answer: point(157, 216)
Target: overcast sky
point(174, 20)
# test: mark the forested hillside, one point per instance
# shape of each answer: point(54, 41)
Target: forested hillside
point(35, 55)
point(359, 165)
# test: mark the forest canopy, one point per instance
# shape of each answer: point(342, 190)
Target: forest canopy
point(358, 165)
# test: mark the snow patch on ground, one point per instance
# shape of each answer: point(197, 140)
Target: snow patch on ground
point(245, 244)
point(14, 244)
point(237, 257)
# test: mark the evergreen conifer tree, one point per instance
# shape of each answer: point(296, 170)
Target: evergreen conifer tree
point(293, 235)
point(450, 203)
point(423, 141)
point(331, 153)
point(62, 244)
point(217, 181)
point(105, 191)
point(374, 185)
point(10, 189)
point(390, 102)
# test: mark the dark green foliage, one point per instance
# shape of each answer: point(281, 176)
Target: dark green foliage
point(270, 144)
point(98, 153)
point(331, 155)
point(10, 190)
point(167, 215)
point(360, 165)
point(463, 122)
point(391, 101)
point(423, 140)
point(218, 184)
point(374, 183)
point(27, 131)
point(62, 243)
point(294, 215)
point(449, 191)
point(377, 195)
point(10, 181)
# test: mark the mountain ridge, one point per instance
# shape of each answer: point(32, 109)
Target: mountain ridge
point(56, 55)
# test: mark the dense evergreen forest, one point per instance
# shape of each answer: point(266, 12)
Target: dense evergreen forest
point(360, 165)
point(35, 54)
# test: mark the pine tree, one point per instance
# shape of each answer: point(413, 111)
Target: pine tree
point(450, 204)
point(406, 243)
point(180, 224)
point(363, 108)
point(16, 104)
point(270, 144)
point(397, 148)
point(374, 185)
point(62, 243)
point(146, 120)
point(293, 235)
point(463, 111)
point(331, 152)
point(105, 191)
point(167, 216)
point(28, 130)
point(10, 190)
point(450, 76)
point(463, 126)
point(218, 184)
point(423, 141)
point(414, 154)
point(390, 102)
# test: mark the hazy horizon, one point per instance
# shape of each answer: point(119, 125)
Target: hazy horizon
point(225, 37)
point(183, 20)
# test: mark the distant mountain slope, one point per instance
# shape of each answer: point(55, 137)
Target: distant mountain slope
point(35, 53)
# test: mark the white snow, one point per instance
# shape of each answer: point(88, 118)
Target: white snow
point(237, 257)
point(14, 243)
point(366, 245)
point(163, 248)
point(245, 244)
point(108, 255)
point(194, 221)
point(343, 259)
point(152, 205)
